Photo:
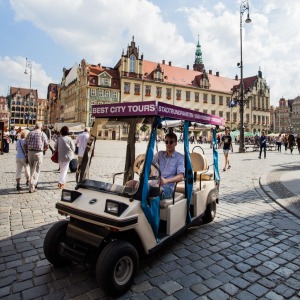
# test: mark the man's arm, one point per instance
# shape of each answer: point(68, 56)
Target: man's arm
point(174, 179)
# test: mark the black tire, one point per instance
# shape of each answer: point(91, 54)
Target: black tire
point(53, 238)
point(210, 212)
point(116, 267)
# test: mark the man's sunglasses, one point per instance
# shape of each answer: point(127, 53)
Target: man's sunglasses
point(169, 142)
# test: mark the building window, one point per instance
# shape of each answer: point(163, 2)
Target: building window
point(132, 63)
point(137, 89)
point(213, 112)
point(205, 111)
point(205, 98)
point(187, 95)
point(220, 100)
point(107, 93)
point(158, 92)
point(178, 94)
point(221, 114)
point(235, 117)
point(213, 99)
point(104, 81)
point(126, 88)
point(169, 93)
point(228, 100)
point(114, 95)
point(247, 118)
point(93, 93)
point(258, 119)
point(101, 93)
point(227, 116)
point(196, 97)
point(148, 90)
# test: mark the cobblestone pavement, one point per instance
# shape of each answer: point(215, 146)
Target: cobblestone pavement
point(250, 251)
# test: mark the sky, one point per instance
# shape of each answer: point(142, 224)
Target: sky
point(56, 34)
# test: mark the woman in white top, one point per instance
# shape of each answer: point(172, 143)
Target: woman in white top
point(21, 160)
point(66, 148)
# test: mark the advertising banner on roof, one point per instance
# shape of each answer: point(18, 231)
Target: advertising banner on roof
point(154, 108)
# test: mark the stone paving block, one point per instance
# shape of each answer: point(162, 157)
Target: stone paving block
point(273, 296)
point(200, 289)
point(156, 281)
point(169, 266)
point(271, 265)
point(212, 283)
point(229, 288)
point(257, 289)
point(155, 294)
point(170, 287)
point(284, 272)
point(185, 294)
point(244, 295)
point(34, 292)
point(4, 292)
point(242, 267)
point(262, 270)
point(252, 262)
point(205, 274)
point(153, 272)
point(218, 294)
point(240, 283)
point(141, 287)
point(187, 269)
point(175, 274)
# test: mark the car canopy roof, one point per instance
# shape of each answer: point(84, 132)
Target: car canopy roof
point(154, 108)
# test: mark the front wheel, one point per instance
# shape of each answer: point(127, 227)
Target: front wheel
point(210, 212)
point(116, 267)
point(53, 238)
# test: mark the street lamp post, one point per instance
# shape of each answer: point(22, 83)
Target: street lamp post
point(29, 66)
point(243, 8)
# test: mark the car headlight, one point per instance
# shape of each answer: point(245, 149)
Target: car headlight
point(69, 196)
point(114, 207)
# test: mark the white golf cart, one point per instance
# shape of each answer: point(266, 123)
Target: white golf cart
point(118, 215)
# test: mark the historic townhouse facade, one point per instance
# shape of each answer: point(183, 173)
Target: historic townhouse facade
point(135, 79)
point(4, 112)
point(23, 105)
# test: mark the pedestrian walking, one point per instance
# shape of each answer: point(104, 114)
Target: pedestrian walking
point(35, 143)
point(47, 131)
point(279, 142)
point(226, 143)
point(6, 141)
point(291, 141)
point(81, 142)
point(298, 142)
point(285, 142)
point(65, 147)
point(12, 134)
point(21, 161)
point(263, 144)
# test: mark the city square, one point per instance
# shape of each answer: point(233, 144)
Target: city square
point(250, 251)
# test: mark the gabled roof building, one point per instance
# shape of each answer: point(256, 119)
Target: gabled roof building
point(135, 79)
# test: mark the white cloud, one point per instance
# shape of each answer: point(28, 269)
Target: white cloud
point(97, 31)
point(13, 68)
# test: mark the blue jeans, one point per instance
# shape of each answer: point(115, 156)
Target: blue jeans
point(167, 192)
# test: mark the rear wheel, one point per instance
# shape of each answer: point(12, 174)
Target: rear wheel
point(53, 238)
point(116, 267)
point(210, 212)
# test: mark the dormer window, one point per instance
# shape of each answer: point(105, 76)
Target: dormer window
point(132, 63)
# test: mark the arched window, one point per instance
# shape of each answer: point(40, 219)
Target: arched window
point(132, 63)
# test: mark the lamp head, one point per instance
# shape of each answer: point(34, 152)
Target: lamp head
point(25, 72)
point(248, 20)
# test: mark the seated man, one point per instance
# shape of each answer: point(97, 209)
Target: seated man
point(171, 165)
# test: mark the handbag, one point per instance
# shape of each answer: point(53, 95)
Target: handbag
point(54, 157)
point(27, 161)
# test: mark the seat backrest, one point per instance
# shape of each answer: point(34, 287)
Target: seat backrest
point(199, 162)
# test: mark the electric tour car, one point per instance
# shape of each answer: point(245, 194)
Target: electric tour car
point(115, 217)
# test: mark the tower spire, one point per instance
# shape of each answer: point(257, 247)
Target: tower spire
point(198, 64)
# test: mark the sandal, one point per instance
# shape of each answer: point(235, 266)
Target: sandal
point(229, 167)
point(224, 169)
